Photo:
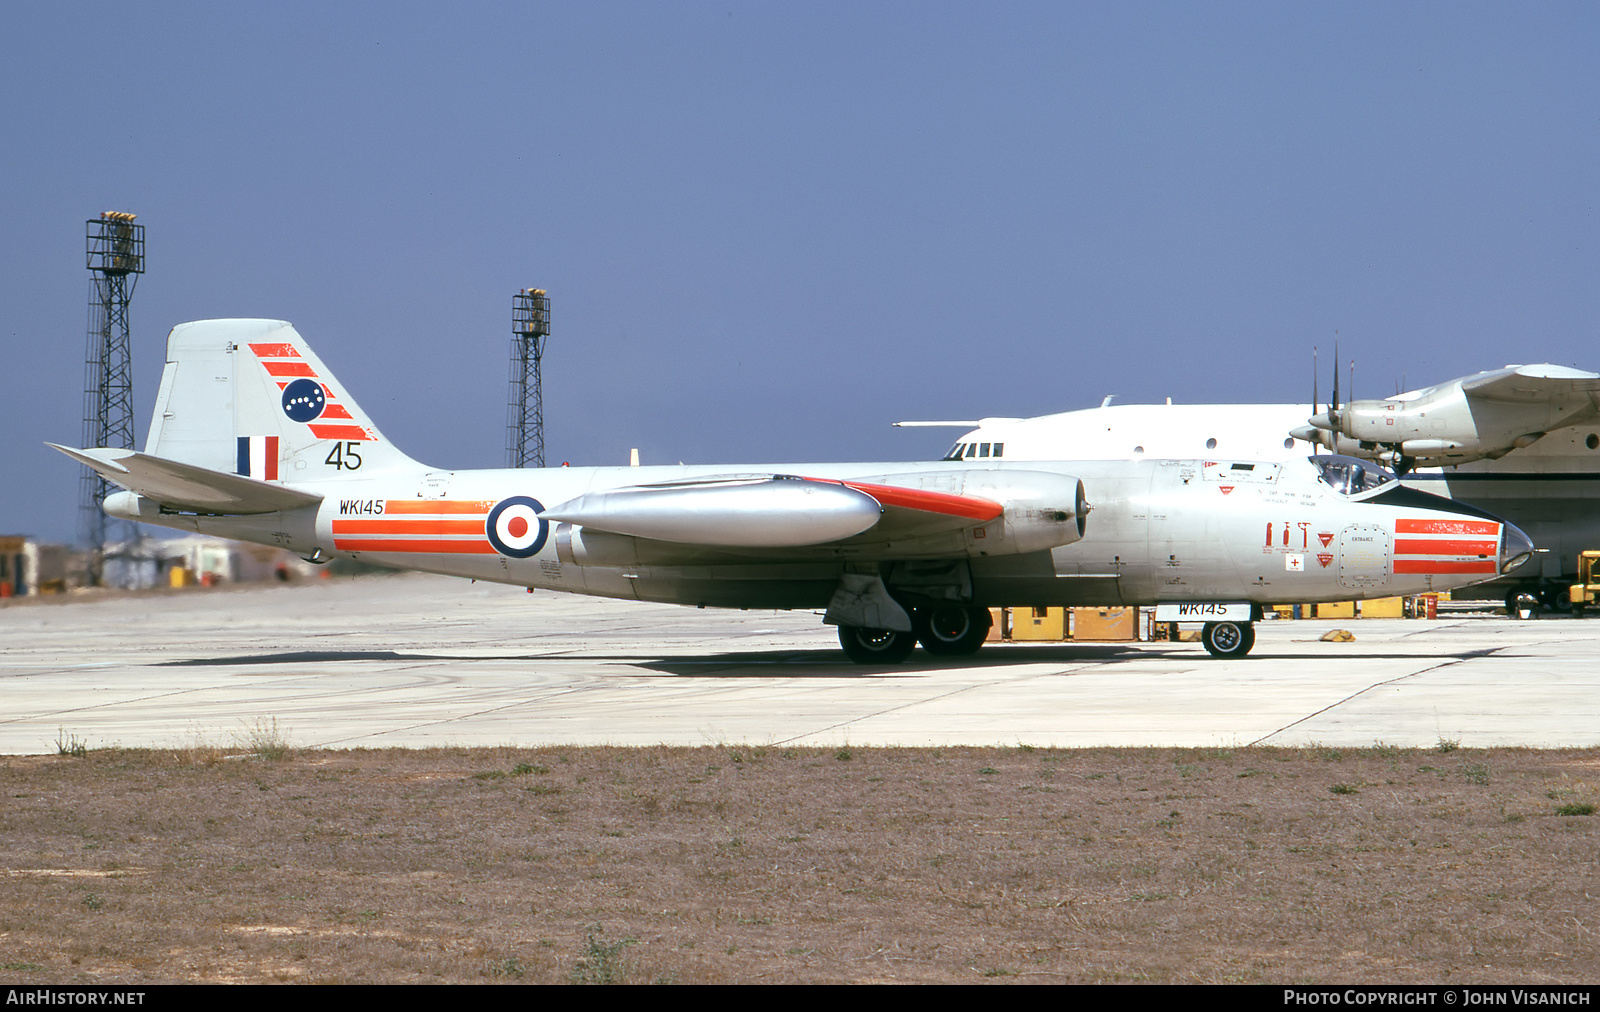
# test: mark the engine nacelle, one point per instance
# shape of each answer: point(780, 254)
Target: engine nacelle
point(1042, 510)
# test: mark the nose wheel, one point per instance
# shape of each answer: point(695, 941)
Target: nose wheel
point(1228, 639)
point(1523, 603)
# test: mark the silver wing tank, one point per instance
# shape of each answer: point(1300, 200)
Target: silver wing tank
point(894, 554)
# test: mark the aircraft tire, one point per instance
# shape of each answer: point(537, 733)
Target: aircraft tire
point(1522, 603)
point(952, 630)
point(1228, 639)
point(876, 646)
point(1556, 597)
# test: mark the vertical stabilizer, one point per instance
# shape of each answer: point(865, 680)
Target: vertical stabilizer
point(250, 397)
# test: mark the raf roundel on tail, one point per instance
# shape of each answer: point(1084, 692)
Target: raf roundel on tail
point(253, 438)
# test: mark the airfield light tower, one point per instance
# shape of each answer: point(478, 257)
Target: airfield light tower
point(530, 325)
point(115, 261)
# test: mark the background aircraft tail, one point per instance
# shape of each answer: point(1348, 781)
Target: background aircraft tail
point(250, 397)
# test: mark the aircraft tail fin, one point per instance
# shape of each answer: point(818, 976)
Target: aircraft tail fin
point(250, 397)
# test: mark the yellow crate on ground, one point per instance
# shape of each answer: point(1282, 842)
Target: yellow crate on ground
point(1337, 609)
point(1038, 623)
point(180, 577)
point(1384, 607)
point(1105, 624)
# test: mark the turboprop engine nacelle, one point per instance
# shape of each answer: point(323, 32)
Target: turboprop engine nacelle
point(1487, 415)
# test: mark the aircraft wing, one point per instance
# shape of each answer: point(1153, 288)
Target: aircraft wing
point(187, 487)
point(1530, 384)
point(773, 511)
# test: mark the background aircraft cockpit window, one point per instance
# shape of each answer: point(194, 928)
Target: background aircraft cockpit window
point(962, 450)
point(1349, 476)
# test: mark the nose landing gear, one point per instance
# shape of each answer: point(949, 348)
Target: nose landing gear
point(1228, 639)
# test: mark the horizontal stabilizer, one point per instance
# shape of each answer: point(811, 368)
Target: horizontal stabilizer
point(188, 487)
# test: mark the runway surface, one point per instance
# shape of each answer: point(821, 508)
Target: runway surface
point(414, 660)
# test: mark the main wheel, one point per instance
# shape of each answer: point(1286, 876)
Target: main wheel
point(952, 630)
point(876, 646)
point(1228, 639)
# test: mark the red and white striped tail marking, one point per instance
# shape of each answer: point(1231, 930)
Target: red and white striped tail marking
point(1439, 547)
point(285, 365)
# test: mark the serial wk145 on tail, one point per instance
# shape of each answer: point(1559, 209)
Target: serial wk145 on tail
point(253, 438)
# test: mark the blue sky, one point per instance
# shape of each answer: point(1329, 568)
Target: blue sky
point(770, 230)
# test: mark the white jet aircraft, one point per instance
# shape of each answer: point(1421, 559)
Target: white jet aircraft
point(253, 438)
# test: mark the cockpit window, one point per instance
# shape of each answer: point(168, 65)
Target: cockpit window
point(1349, 476)
point(961, 451)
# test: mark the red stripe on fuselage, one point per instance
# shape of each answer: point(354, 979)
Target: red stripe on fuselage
point(403, 546)
point(380, 525)
point(1444, 546)
point(1441, 567)
point(1446, 527)
point(446, 506)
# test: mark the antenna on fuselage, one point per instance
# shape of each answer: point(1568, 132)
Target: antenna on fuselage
point(1314, 379)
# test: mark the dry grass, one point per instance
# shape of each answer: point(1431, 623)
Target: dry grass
point(766, 864)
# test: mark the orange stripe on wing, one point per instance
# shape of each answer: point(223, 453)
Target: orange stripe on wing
point(375, 525)
point(1414, 526)
point(969, 506)
point(446, 506)
point(403, 545)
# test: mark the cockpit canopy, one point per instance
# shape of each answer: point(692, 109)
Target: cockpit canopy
point(964, 450)
point(1350, 476)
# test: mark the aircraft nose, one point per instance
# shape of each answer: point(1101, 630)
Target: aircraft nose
point(1515, 549)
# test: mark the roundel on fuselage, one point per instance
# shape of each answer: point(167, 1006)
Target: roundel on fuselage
point(515, 528)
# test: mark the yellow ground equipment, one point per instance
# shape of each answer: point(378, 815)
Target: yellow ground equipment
point(1587, 587)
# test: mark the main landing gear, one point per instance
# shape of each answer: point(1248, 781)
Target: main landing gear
point(953, 630)
point(1228, 639)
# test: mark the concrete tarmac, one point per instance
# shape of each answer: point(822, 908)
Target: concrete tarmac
point(415, 660)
